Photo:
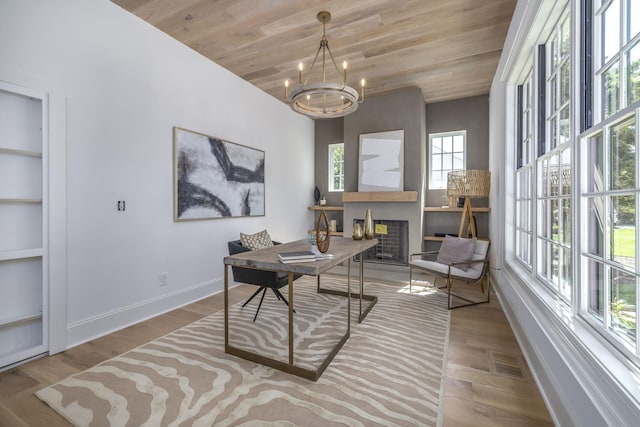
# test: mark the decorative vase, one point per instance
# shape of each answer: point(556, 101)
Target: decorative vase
point(322, 232)
point(368, 225)
point(316, 195)
point(357, 232)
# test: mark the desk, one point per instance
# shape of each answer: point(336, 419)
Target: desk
point(267, 259)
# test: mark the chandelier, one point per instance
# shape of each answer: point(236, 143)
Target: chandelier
point(323, 100)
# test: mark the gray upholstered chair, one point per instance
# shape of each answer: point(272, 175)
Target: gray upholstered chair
point(264, 279)
point(471, 271)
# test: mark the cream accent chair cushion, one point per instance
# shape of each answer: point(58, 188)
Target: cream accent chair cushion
point(478, 266)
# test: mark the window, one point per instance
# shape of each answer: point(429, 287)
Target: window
point(609, 248)
point(336, 167)
point(554, 168)
point(610, 192)
point(572, 188)
point(523, 223)
point(595, 274)
point(446, 153)
point(618, 58)
point(543, 184)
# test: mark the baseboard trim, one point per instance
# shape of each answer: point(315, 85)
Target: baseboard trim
point(576, 386)
point(95, 327)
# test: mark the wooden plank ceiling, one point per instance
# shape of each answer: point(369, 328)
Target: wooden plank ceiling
point(448, 48)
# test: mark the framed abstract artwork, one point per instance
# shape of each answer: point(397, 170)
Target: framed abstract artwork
point(381, 161)
point(214, 178)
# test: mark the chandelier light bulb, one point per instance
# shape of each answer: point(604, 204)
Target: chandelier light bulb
point(344, 67)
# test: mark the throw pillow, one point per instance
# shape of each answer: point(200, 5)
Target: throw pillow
point(456, 249)
point(256, 241)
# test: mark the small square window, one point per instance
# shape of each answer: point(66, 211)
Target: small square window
point(446, 153)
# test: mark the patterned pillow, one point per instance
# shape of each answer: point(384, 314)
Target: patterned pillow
point(256, 241)
point(456, 249)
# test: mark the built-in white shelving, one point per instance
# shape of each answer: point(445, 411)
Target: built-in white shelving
point(23, 225)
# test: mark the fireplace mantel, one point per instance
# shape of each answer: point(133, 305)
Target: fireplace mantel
point(379, 196)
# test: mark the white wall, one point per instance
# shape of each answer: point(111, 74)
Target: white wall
point(127, 84)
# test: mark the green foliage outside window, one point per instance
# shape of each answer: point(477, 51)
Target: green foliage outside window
point(336, 167)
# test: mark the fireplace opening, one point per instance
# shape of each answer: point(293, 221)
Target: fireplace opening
point(393, 242)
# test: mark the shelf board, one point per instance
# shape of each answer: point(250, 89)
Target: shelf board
point(380, 196)
point(29, 153)
point(326, 208)
point(19, 200)
point(439, 209)
point(14, 320)
point(21, 254)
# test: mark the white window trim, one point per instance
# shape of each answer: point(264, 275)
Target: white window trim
point(330, 175)
point(583, 309)
point(464, 153)
point(584, 381)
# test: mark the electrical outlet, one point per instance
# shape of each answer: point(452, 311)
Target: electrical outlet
point(163, 279)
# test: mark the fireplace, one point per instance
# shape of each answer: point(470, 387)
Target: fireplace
point(393, 242)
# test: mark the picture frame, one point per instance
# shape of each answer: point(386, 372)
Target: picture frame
point(381, 161)
point(214, 178)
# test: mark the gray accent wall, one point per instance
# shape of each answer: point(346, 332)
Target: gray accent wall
point(405, 110)
point(470, 114)
point(329, 131)
point(401, 110)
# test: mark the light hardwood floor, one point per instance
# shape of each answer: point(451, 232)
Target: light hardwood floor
point(487, 381)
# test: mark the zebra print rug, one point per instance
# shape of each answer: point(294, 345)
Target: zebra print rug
point(389, 371)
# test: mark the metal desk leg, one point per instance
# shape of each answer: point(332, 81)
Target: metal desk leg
point(361, 283)
point(279, 364)
point(226, 307)
point(290, 319)
point(348, 299)
point(361, 295)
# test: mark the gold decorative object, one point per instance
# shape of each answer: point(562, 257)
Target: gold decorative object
point(468, 184)
point(357, 232)
point(368, 225)
point(322, 232)
point(323, 100)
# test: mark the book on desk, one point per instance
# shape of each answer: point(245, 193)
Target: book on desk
point(298, 256)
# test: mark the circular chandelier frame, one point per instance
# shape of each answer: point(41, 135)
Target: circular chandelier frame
point(299, 100)
point(323, 100)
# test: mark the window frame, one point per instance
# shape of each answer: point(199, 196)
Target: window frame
point(330, 175)
point(602, 326)
point(626, 42)
point(608, 373)
point(573, 306)
point(431, 170)
point(554, 256)
point(523, 199)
